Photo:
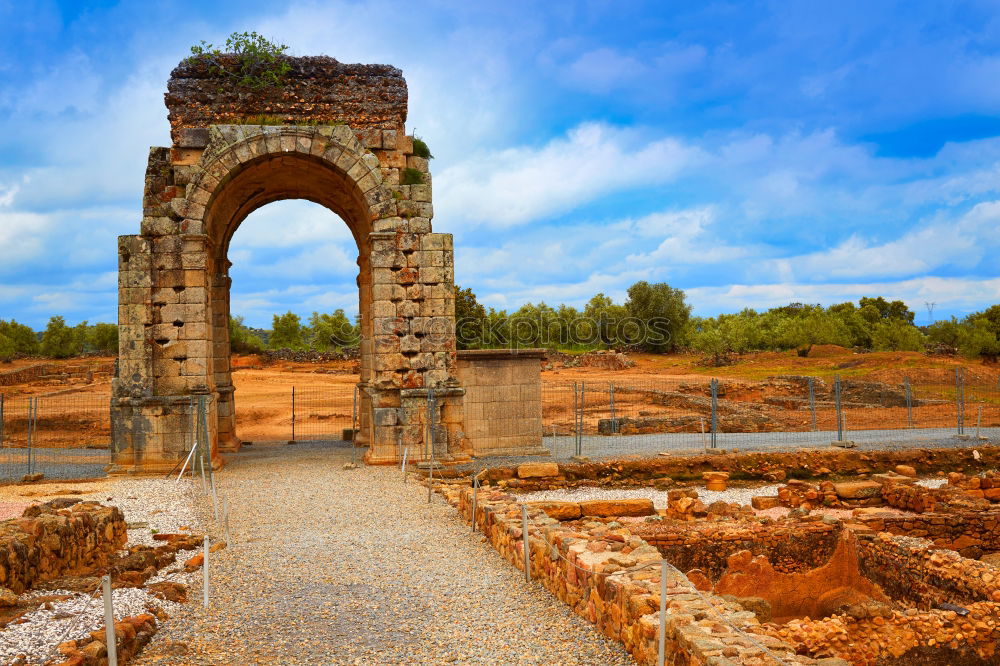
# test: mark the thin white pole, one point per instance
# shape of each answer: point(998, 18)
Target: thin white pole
point(524, 538)
point(109, 622)
point(205, 571)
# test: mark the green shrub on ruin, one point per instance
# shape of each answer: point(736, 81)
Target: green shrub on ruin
point(411, 177)
point(253, 62)
point(420, 148)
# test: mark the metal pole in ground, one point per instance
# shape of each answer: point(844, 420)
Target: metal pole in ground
point(406, 450)
point(430, 438)
point(475, 496)
point(715, 412)
point(524, 539)
point(661, 650)
point(205, 575)
point(225, 518)
point(909, 402)
point(215, 497)
point(958, 401)
point(611, 399)
point(836, 394)
point(979, 419)
point(194, 433)
point(812, 401)
point(202, 440)
point(583, 407)
point(109, 622)
point(293, 416)
point(31, 404)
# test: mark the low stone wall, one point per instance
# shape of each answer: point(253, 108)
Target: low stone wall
point(612, 578)
point(131, 635)
point(956, 531)
point(986, 486)
point(803, 464)
point(58, 542)
point(910, 571)
point(790, 547)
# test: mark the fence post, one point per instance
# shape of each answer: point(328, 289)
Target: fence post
point(583, 406)
point(812, 401)
point(611, 396)
point(430, 438)
point(840, 423)
point(31, 403)
point(293, 416)
point(202, 440)
point(576, 419)
point(109, 622)
point(406, 450)
point(979, 418)
point(1, 420)
point(475, 497)
point(661, 650)
point(959, 400)
point(204, 586)
point(715, 411)
point(225, 518)
point(524, 539)
point(909, 402)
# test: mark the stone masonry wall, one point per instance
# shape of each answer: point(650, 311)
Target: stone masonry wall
point(318, 89)
point(611, 578)
point(910, 571)
point(707, 546)
point(955, 531)
point(503, 400)
point(58, 542)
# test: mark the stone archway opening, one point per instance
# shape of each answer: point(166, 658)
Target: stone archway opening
point(294, 257)
point(252, 185)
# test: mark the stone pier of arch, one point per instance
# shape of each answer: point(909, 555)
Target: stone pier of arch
point(334, 134)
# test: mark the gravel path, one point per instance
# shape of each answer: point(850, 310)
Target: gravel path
point(334, 566)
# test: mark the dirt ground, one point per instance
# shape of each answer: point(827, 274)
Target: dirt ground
point(668, 393)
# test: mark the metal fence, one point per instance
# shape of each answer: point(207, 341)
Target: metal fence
point(636, 416)
point(62, 436)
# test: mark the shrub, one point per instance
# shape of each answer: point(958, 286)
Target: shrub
point(420, 148)
point(259, 63)
point(103, 338)
point(412, 177)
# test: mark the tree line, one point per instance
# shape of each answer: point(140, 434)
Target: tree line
point(654, 317)
point(58, 340)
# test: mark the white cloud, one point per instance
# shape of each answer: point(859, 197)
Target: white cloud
point(962, 294)
point(517, 185)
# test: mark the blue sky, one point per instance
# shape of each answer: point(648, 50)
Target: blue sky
point(751, 154)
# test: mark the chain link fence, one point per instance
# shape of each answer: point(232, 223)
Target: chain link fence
point(643, 417)
point(61, 436)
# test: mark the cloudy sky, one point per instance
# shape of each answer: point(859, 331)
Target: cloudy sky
point(752, 154)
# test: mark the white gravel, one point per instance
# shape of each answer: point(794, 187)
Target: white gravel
point(334, 566)
point(932, 483)
point(164, 506)
point(38, 636)
point(659, 497)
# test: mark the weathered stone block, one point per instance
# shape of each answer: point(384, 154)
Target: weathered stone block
point(537, 470)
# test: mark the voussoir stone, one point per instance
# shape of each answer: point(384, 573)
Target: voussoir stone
point(624, 507)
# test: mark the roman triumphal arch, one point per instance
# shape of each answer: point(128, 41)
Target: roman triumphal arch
point(333, 134)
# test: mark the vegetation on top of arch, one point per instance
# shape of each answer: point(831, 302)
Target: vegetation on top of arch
point(253, 62)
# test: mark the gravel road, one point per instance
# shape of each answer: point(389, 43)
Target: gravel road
point(334, 566)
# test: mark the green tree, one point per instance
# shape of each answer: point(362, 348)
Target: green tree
point(888, 309)
point(59, 340)
point(470, 320)
point(287, 332)
point(662, 313)
point(332, 331)
point(6, 349)
point(897, 335)
point(103, 338)
point(604, 317)
point(812, 327)
point(24, 339)
point(241, 339)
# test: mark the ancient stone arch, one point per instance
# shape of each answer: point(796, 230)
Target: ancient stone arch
point(342, 144)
